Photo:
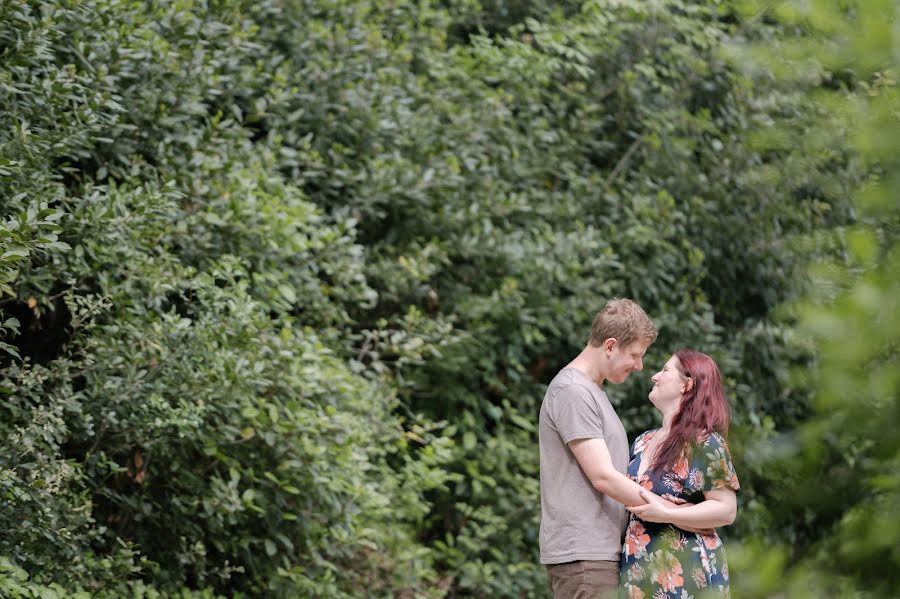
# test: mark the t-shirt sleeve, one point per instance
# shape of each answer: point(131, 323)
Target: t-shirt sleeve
point(711, 466)
point(576, 414)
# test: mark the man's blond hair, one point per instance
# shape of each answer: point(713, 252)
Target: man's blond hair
point(623, 320)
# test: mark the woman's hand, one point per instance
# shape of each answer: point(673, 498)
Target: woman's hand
point(676, 500)
point(655, 510)
point(663, 510)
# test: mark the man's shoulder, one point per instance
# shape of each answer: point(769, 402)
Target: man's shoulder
point(570, 387)
point(563, 385)
point(562, 378)
point(573, 379)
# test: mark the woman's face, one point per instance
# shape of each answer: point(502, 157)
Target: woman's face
point(668, 386)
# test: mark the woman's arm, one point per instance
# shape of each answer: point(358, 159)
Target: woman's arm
point(719, 508)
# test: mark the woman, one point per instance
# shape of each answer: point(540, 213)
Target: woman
point(686, 459)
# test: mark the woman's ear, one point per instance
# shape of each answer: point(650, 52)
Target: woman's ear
point(688, 385)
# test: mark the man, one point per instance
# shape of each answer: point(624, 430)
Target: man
point(584, 454)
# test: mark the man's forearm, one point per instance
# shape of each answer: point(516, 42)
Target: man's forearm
point(618, 486)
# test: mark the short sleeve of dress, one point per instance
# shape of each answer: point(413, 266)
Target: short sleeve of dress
point(711, 466)
point(639, 443)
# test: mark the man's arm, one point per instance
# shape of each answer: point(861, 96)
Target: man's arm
point(593, 457)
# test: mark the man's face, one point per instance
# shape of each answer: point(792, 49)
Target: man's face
point(625, 360)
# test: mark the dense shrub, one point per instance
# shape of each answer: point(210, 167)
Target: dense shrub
point(830, 483)
point(284, 281)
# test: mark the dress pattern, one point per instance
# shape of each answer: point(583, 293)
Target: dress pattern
point(662, 561)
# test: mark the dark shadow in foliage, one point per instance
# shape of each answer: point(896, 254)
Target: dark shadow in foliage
point(44, 329)
point(495, 17)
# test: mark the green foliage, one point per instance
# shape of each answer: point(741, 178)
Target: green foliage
point(287, 280)
point(836, 487)
point(14, 583)
point(190, 427)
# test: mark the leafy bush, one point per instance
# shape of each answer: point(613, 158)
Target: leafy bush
point(287, 279)
point(830, 491)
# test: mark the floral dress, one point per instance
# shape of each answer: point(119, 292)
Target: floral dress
point(662, 561)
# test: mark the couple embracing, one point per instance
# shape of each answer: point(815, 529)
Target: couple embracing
point(677, 482)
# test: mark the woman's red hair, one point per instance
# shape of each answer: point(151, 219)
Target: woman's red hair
point(703, 409)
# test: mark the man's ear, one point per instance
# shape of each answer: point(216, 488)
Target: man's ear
point(610, 343)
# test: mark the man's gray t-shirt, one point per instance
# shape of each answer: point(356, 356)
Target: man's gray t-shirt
point(577, 521)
